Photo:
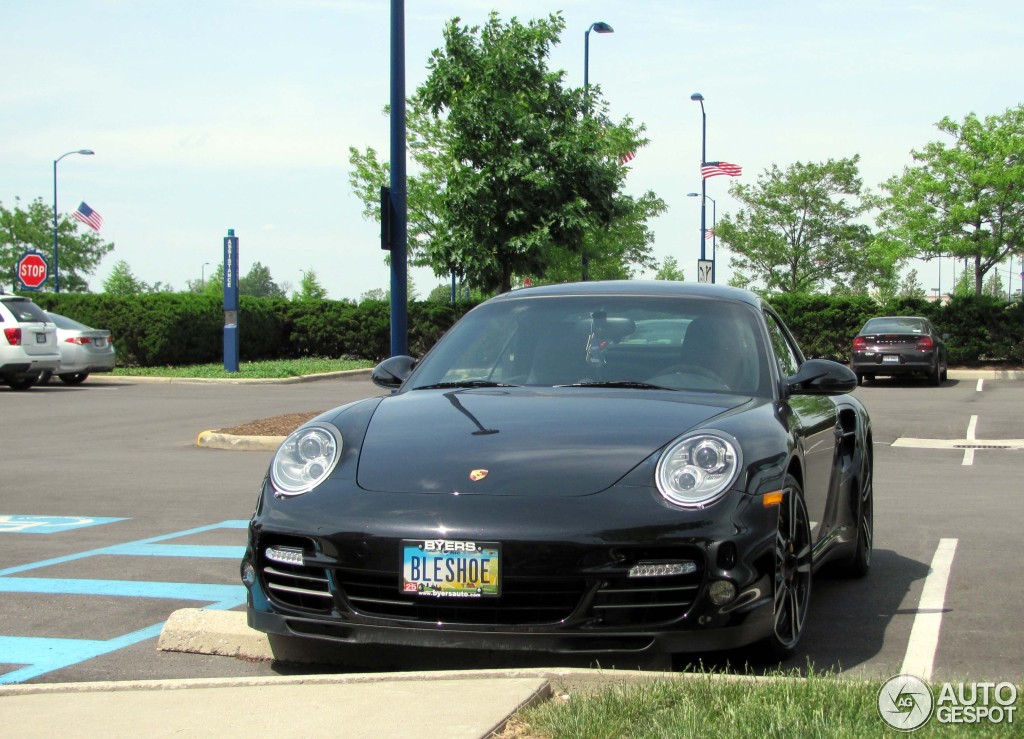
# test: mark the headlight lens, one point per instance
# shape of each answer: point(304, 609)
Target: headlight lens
point(306, 458)
point(697, 470)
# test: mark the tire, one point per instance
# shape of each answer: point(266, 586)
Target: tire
point(860, 379)
point(944, 375)
point(73, 379)
point(860, 564)
point(869, 378)
point(44, 377)
point(793, 565)
point(934, 376)
point(22, 383)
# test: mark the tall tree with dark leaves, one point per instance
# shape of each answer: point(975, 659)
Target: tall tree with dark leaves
point(516, 174)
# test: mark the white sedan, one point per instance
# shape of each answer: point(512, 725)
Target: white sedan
point(83, 350)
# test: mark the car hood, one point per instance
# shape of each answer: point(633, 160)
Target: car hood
point(523, 441)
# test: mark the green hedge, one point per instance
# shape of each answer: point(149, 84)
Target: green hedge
point(180, 328)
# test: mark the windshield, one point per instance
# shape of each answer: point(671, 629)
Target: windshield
point(624, 341)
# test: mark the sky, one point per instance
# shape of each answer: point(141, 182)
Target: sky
point(221, 114)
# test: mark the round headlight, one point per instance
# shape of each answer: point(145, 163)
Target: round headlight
point(697, 470)
point(305, 459)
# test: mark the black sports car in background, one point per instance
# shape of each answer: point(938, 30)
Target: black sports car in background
point(899, 346)
point(595, 467)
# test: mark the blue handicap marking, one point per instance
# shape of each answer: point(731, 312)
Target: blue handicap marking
point(10, 524)
point(38, 656)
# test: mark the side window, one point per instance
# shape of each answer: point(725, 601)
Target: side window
point(788, 360)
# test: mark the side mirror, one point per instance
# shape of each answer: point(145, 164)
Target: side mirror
point(392, 372)
point(822, 377)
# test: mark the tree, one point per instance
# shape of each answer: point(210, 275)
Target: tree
point(797, 230)
point(384, 294)
point(964, 199)
point(670, 270)
point(911, 287)
point(517, 175)
point(310, 287)
point(258, 283)
point(123, 282)
point(994, 286)
point(32, 229)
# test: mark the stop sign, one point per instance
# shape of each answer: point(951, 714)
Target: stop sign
point(32, 269)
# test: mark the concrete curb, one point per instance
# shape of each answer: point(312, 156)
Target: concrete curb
point(969, 374)
point(215, 440)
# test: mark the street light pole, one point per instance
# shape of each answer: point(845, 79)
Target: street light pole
point(697, 97)
point(202, 274)
point(600, 27)
point(56, 254)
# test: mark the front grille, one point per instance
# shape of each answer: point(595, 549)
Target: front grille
point(522, 600)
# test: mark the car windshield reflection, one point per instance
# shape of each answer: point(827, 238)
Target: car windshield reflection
point(618, 341)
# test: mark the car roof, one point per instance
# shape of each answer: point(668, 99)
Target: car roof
point(654, 288)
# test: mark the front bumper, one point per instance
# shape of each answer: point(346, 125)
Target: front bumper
point(565, 583)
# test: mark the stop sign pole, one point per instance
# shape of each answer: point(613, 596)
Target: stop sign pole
point(32, 270)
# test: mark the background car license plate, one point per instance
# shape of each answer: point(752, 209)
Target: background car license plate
point(453, 569)
point(40, 338)
point(890, 359)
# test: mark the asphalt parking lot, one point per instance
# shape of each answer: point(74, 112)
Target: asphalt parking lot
point(111, 518)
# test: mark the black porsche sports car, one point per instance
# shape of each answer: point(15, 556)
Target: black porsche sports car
point(595, 467)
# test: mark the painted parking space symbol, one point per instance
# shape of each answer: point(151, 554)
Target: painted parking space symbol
point(35, 656)
point(14, 524)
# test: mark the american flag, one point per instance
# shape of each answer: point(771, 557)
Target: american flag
point(627, 157)
point(714, 169)
point(709, 233)
point(88, 216)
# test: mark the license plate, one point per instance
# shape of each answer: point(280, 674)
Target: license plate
point(890, 359)
point(40, 338)
point(442, 568)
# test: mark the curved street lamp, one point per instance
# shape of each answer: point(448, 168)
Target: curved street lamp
point(599, 27)
point(714, 231)
point(56, 253)
point(698, 98)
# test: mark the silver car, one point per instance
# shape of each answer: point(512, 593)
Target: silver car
point(83, 350)
point(28, 342)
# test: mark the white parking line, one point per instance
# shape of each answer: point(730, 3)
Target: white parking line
point(924, 635)
point(972, 428)
point(981, 384)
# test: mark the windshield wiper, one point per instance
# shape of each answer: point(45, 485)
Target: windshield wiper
point(463, 383)
point(619, 383)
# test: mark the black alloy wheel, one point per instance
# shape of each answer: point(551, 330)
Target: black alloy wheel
point(793, 564)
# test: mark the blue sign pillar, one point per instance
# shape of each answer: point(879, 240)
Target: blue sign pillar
point(231, 301)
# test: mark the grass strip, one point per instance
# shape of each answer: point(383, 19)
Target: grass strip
point(707, 705)
point(275, 369)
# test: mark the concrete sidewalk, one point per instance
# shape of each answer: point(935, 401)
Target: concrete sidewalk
point(351, 706)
